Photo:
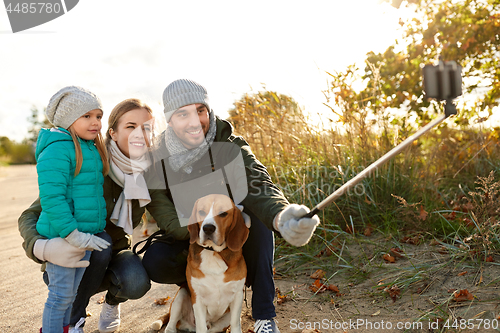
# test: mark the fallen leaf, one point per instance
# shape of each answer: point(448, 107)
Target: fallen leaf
point(462, 273)
point(463, 295)
point(415, 240)
point(396, 252)
point(387, 257)
point(489, 259)
point(376, 313)
point(317, 287)
point(394, 292)
point(161, 301)
point(368, 231)
point(422, 215)
point(319, 274)
point(450, 216)
point(333, 288)
point(281, 299)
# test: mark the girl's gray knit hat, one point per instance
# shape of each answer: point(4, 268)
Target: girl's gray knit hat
point(69, 104)
point(181, 93)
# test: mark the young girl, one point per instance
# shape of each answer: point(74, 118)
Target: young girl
point(71, 164)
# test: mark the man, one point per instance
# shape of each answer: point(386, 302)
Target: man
point(199, 155)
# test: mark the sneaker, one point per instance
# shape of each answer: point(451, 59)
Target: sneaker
point(77, 328)
point(266, 326)
point(109, 320)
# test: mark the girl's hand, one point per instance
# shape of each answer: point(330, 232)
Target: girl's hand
point(59, 252)
point(86, 241)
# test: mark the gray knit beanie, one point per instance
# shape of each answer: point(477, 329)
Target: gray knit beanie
point(181, 93)
point(69, 104)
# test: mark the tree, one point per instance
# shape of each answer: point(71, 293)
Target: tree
point(5, 146)
point(36, 125)
point(467, 31)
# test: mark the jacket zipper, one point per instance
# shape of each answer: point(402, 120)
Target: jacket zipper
point(96, 168)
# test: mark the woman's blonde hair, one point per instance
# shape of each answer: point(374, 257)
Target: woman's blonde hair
point(101, 148)
point(120, 109)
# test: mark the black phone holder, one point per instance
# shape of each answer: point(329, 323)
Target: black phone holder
point(443, 82)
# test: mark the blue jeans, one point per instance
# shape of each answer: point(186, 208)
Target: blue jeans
point(63, 285)
point(120, 273)
point(166, 263)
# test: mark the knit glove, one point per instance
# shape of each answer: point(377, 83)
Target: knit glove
point(59, 252)
point(295, 229)
point(86, 241)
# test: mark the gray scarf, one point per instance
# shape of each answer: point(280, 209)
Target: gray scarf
point(183, 158)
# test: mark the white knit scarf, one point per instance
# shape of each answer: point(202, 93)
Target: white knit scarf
point(128, 173)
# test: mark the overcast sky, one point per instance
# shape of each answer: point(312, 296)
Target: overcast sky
point(122, 48)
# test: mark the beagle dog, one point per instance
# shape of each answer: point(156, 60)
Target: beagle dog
point(216, 270)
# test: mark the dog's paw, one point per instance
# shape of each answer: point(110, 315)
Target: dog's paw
point(157, 325)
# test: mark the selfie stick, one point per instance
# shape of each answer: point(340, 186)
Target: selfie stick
point(442, 82)
point(381, 161)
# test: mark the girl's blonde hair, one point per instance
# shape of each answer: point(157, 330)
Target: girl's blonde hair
point(101, 148)
point(120, 109)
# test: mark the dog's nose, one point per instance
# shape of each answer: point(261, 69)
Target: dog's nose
point(208, 229)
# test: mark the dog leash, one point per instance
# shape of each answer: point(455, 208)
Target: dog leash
point(159, 236)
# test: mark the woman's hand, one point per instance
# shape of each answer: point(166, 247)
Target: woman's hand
point(59, 252)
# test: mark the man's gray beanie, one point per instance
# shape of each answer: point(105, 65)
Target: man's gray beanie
point(69, 104)
point(181, 93)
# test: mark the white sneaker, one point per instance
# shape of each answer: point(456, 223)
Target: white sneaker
point(109, 320)
point(77, 328)
point(266, 326)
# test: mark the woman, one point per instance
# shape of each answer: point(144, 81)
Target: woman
point(116, 270)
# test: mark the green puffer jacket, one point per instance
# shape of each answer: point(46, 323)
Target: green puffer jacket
point(68, 202)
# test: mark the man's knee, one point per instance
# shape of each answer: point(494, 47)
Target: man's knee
point(137, 287)
point(126, 276)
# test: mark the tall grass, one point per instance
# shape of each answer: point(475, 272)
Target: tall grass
point(309, 162)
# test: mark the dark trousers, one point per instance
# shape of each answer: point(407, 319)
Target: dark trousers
point(166, 263)
point(121, 274)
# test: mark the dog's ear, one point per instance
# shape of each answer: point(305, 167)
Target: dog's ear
point(238, 231)
point(193, 226)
